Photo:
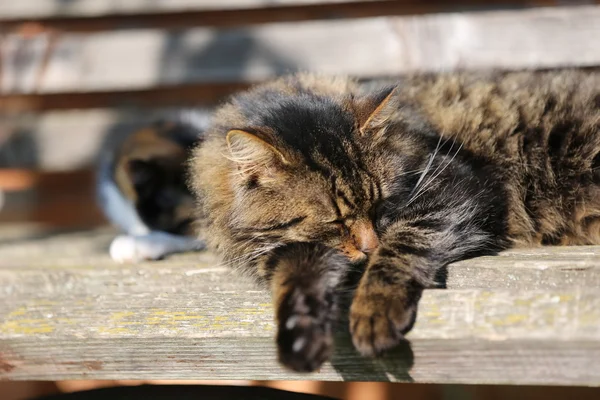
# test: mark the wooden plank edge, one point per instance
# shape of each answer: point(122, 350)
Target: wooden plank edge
point(205, 93)
point(467, 357)
point(196, 94)
point(235, 16)
point(250, 16)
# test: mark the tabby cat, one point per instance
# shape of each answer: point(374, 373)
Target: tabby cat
point(306, 179)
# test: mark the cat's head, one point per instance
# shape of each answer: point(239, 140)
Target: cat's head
point(300, 161)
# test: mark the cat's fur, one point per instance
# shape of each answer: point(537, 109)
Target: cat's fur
point(142, 189)
point(307, 178)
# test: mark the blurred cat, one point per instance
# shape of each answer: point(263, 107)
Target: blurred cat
point(142, 189)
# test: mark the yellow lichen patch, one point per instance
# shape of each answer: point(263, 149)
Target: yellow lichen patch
point(18, 312)
point(118, 318)
point(251, 311)
point(432, 311)
point(565, 297)
point(26, 327)
point(170, 318)
point(121, 315)
point(186, 317)
point(115, 331)
point(511, 319)
point(523, 303)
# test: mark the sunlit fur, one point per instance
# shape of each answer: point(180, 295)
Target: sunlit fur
point(410, 177)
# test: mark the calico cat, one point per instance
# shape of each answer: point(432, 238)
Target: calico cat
point(306, 179)
point(142, 189)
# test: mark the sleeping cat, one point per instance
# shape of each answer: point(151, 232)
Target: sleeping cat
point(142, 189)
point(306, 179)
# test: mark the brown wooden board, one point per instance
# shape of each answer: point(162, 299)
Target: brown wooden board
point(68, 312)
point(33, 9)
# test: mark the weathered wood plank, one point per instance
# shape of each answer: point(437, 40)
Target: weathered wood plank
point(178, 16)
point(536, 38)
point(32, 9)
point(206, 93)
point(92, 8)
point(68, 312)
point(545, 267)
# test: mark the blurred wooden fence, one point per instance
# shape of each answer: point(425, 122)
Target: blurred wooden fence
point(77, 74)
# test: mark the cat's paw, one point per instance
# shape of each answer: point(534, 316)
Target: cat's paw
point(304, 337)
point(380, 318)
point(124, 250)
point(152, 246)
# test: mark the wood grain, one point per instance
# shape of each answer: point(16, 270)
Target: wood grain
point(68, 312)
point(139, 59)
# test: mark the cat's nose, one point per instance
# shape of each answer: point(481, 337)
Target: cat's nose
point(364, 236)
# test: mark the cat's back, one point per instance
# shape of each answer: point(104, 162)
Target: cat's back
point(509, 114)
point(542, 132)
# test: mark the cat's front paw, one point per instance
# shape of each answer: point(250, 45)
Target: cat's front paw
point(304, 337)
point(380, 316)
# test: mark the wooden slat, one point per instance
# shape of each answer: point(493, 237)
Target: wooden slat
point(51, 199)
point(94, 8)
point(207, 93)
point(33, 9)
point(195, 15)
point(68, 312)
point(136, 60)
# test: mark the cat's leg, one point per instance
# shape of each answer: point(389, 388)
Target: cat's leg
point(152, 246)
point(304, 278)
point(410, 254)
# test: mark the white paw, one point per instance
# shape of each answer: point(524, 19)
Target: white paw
point(153, 246)
point(124, 249)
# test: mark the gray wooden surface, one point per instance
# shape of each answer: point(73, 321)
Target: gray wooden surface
point(66, 311)
point(135, 59)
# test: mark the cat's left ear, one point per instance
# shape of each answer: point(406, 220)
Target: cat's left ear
point(252, 154)
point(376, 109)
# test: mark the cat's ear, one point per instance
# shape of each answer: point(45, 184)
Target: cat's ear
point(376, 109)
point(252, 154)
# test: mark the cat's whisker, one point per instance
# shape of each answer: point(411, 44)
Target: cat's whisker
point(442, 165)
point(427, 186)
point(426, 169)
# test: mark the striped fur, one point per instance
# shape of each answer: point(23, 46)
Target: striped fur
point(398, 180)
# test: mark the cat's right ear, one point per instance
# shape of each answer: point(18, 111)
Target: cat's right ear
point(252, 154)
point(376, 109)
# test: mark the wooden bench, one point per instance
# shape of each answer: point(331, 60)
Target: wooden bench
point(524, 317)
point(76, 76)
